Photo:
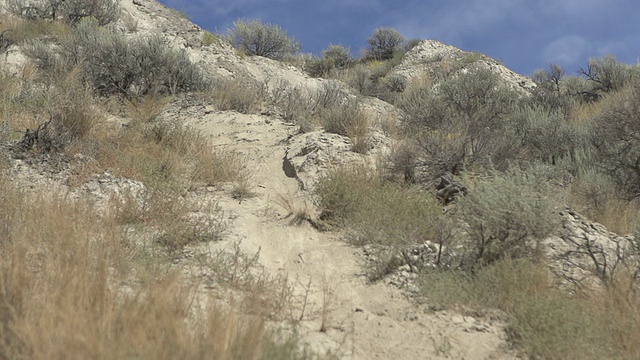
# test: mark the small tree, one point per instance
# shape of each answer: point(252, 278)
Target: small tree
point(257, 38)
point(384, 44)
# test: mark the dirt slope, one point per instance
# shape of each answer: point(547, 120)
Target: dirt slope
point(365, 320)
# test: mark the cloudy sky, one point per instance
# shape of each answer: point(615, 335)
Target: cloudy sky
point(525, 35)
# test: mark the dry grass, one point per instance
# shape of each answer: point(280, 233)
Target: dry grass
point(543, 321)
point(68, 290)
point(25, 30)
point(244, 96)
point(298, 212)
point(617, 215)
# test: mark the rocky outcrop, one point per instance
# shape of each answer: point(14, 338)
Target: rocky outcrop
point(432, 58)
point(586, 254)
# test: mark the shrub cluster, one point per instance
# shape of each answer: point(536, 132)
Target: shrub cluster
point(335, 57)
point(115, 64)
point(71, 11)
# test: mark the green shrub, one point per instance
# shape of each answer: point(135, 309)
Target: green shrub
point(384, 43)
point(18, 31)
point(71, 11)
point(546, 135)
point(341, 118)
point(209, 38)
point(607, 74)
point(115, 64)
point(617, 139)
point(389, 218)
point(257, 38)
point(542, 321)
point(359, 78)
point(74, 11)
point(333, 57)
point(463, 124)
point(550, 92)
point(507, 216)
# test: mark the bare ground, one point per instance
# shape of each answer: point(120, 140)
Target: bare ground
point(364, 320)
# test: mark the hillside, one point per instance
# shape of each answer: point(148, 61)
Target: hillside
point(166, 195)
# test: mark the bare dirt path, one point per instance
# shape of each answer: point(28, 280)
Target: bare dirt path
point(365, 321)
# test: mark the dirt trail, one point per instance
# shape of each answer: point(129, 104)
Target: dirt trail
point(365, 321)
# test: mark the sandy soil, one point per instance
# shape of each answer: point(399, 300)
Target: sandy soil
point(365, 321)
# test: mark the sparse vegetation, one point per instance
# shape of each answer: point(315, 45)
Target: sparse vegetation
point(61, 273)
point(92, 101)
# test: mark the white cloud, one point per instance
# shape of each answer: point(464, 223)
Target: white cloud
point(452, 21)
point(566, 50)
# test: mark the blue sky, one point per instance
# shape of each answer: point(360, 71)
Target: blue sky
point(525, 35)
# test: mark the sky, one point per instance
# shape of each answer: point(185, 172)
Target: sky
point(525, 35)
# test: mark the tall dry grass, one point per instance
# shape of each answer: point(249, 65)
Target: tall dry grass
point(543, 321)
point(70, 289)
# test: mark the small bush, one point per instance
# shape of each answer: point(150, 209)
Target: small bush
point(209, 38)
point(334, 57)
point(507, 216)
point(463, 124)
point(546, 136)
point(295, 105)
point(369, 208)
point(341, 118)
point(616, 139)
point(384, 43)
point(607, 74)
point(254, 37)
point(244, 96)
point(63, 115)
point(16, 31)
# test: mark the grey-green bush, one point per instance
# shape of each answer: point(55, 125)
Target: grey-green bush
point(617, 139)
point(262, 39)
point(463, 123)
point(507, 215)
point(115, 64)
point(545, 135)
point(71, 11)
point(333, 57)
point(607, 74)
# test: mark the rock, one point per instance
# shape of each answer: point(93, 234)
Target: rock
point(433, 56)
point(585, 253)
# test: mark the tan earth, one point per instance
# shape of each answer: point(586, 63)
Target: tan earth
point(366, 320)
